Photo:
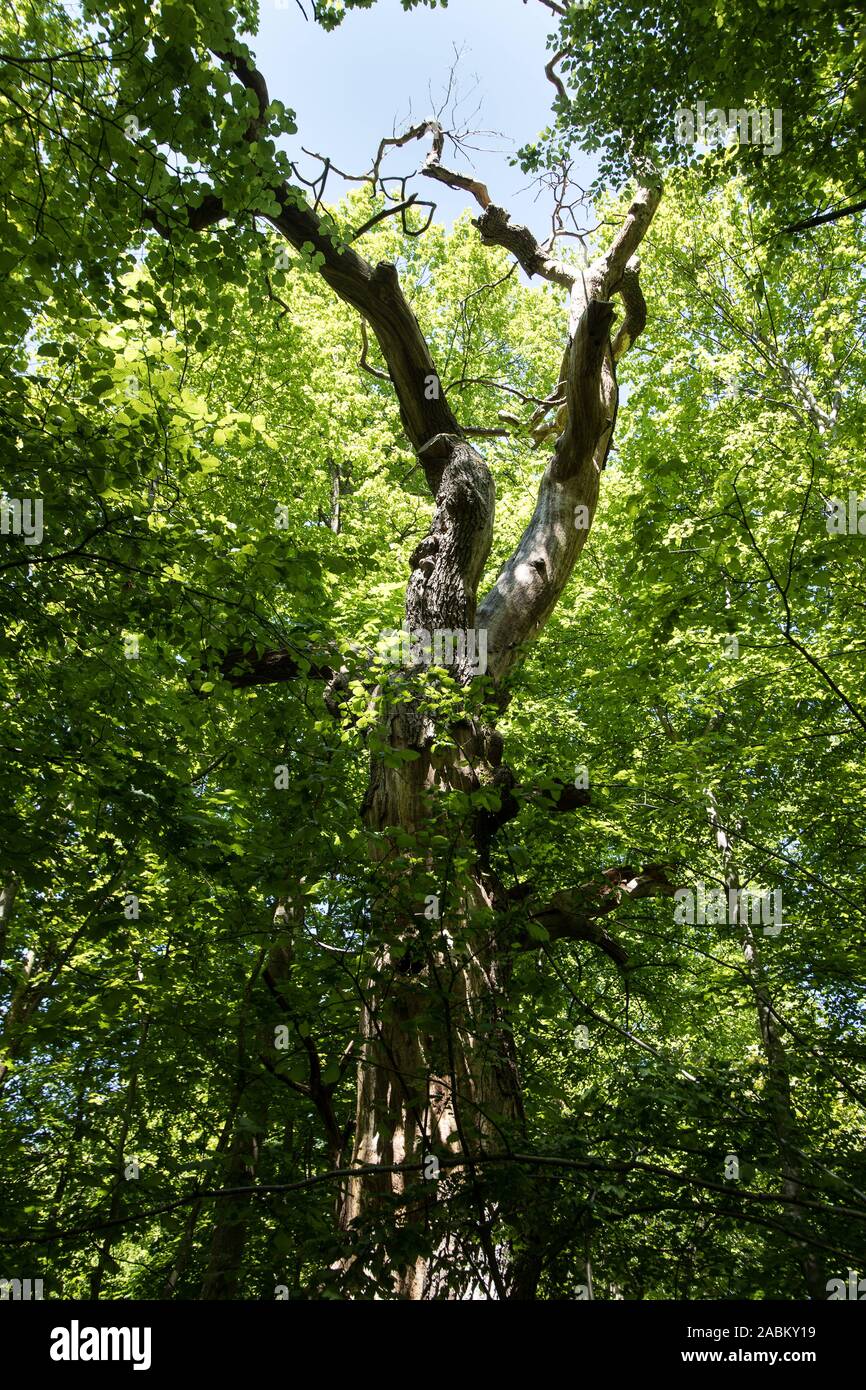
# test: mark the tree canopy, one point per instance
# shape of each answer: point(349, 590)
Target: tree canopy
point(327, 974)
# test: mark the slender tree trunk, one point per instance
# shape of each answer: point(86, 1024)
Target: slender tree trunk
point(784, 1120)
point(7, 904)
point(120, 1158)
point(26, 998)
point(187, 1241)
point(230, 1231)
point(250, 1106)
point(79, 1126)
point(229, 1235)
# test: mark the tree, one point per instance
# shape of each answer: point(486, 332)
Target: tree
point(186, 861)
point(801, 65)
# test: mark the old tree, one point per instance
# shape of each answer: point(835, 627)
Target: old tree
point(337, 972)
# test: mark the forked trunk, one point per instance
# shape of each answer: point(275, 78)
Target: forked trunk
point(437, 1075)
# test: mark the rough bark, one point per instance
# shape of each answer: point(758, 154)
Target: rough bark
point(437, 1072)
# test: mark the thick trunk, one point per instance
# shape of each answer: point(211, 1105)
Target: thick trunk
point(436, 1065)
point(437, 1078)
point(437, 1073)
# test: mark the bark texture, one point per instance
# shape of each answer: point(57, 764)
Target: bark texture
point(437, 1070)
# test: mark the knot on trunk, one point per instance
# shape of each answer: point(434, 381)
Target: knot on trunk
point(422, 556)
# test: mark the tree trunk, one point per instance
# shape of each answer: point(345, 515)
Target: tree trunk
point(120, 1156)
point(229, 1234)
point(785, 1124)
point(7, 904)
point(437, 1075)
point(436, 1065)
point(26, 998)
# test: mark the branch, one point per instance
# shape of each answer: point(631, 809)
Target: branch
point(573, 913)
point(243, 666)
point(560, 798)
point(560, 923)
point(364, 363)
point(433, 168)
point(533, 578)
point(496, 229)
point(246, 666)
point(822, 218)
point(374, 292)
point(632, 231)
point(553, 76)
point(494, 225)
point(625, 1167)
point(634, 304)
point(461, 383)
point(387, 212)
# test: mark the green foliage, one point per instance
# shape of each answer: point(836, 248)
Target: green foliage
point(629, 66)
point(188, 407)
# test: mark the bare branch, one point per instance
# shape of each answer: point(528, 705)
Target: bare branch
point(634, 304)
point(553, 76)
point(496, 229)
point(434, 170)
point(552, 5)
point(391, 212)
point(463, 382)
point(573, 913)
point(374, 292)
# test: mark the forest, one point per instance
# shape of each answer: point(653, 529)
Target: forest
point(432, 680)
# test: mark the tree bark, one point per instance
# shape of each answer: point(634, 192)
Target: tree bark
point(786, 1127)
point(437, 1065)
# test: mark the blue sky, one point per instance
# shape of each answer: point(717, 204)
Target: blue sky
point(349, 88)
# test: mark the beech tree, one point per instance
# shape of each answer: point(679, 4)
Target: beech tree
point(374, 973)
